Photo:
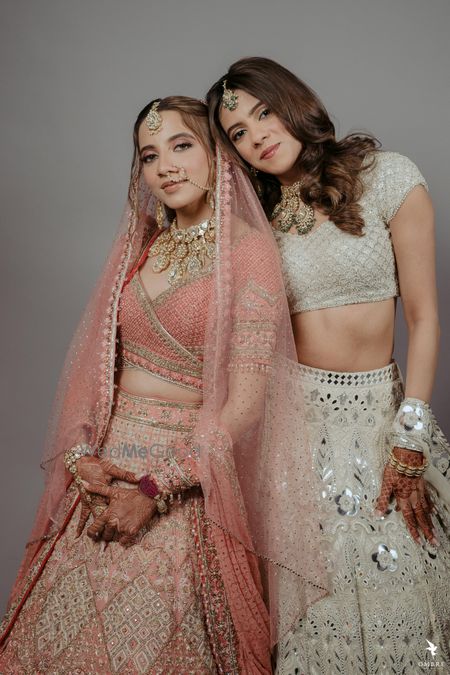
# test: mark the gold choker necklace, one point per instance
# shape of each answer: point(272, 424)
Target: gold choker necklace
point(292, 211)
point(186, 251)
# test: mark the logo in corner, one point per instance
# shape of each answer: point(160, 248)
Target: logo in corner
point(432, 649)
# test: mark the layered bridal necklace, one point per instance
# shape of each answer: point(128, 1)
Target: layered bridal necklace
point(185, 252)
point(291, 211)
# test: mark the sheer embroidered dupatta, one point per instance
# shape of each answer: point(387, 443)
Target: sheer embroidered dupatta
point(255, 468)
point(84, 395)
point(250, 443)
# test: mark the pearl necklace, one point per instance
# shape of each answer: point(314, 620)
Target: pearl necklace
point(184, 252)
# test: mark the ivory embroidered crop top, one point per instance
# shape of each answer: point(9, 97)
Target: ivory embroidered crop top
point(328, 267)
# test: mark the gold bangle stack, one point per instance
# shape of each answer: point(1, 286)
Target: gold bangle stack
point(407, 469)
point(70, 460)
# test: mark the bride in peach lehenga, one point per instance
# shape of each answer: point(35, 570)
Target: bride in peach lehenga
point(167, 459)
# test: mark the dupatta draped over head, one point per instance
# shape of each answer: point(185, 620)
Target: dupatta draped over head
point(250, 441)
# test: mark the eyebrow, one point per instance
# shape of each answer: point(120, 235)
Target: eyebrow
point(183, 134)
point(250, 113)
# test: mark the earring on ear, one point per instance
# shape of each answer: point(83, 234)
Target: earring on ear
point(254, 171)
point(211, 194)
point(160, 215)
point(211, 199)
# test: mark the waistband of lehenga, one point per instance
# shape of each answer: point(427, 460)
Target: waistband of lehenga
point(389, 373)
point(155, 412)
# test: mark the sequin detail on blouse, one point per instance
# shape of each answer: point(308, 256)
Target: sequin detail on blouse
point(165, 336)
point(158, 337)
point(329, 267)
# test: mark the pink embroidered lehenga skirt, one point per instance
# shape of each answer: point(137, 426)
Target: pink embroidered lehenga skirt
point(156, 607)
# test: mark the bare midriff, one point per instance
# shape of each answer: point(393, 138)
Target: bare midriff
point(349, 338)
point(140, 383)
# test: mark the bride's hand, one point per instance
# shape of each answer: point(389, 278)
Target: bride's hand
point(410, 494)
point(129, 510)
point(101, 471)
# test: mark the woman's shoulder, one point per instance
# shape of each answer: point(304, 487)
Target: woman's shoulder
point(388, 177)
point(381, 166)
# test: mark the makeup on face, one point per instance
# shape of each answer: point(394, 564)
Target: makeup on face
point(259, 136)
point(169, 158)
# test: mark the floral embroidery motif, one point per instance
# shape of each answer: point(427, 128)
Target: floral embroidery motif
point(254, 329)
point(134, 610)
point(348, 503)
point(386, 558)
point(442, 464)
point(387, 593)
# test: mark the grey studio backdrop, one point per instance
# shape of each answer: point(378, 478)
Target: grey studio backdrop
point(75, 74)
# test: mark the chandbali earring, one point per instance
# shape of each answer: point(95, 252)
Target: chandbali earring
point(160, 215)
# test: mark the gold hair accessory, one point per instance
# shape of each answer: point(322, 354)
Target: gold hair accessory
point(229, 98)
point(292, 211)
point(154, 119)
point(186, 251)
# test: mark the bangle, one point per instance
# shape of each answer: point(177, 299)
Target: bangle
point(149, 488)
point(70, 460)
point(407, 469)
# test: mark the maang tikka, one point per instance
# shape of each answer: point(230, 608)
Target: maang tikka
point(229, 98)
point(154, 119)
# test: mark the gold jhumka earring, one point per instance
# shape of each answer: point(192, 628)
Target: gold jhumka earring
point(160, 215)
point(212, 199)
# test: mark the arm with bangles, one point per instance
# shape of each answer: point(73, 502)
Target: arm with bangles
point(80, 460)
point(84, 466)
point(255, 314)
point(130, 509)
point(125, 510)
point(412, 231)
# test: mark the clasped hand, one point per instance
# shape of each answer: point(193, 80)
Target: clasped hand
point(116, 510)
point(128, 511)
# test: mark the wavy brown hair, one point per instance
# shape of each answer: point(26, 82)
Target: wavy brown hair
point(331, 168)
point(194, 114)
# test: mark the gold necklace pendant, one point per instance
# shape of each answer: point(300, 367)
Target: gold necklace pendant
point(291, 211)
point(184, 252)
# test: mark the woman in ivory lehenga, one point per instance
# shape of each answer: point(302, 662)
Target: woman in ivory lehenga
point(169, 450)
point(355, 230)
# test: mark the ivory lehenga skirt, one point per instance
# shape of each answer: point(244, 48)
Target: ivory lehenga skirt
point(389, 595)
point(157, 607)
